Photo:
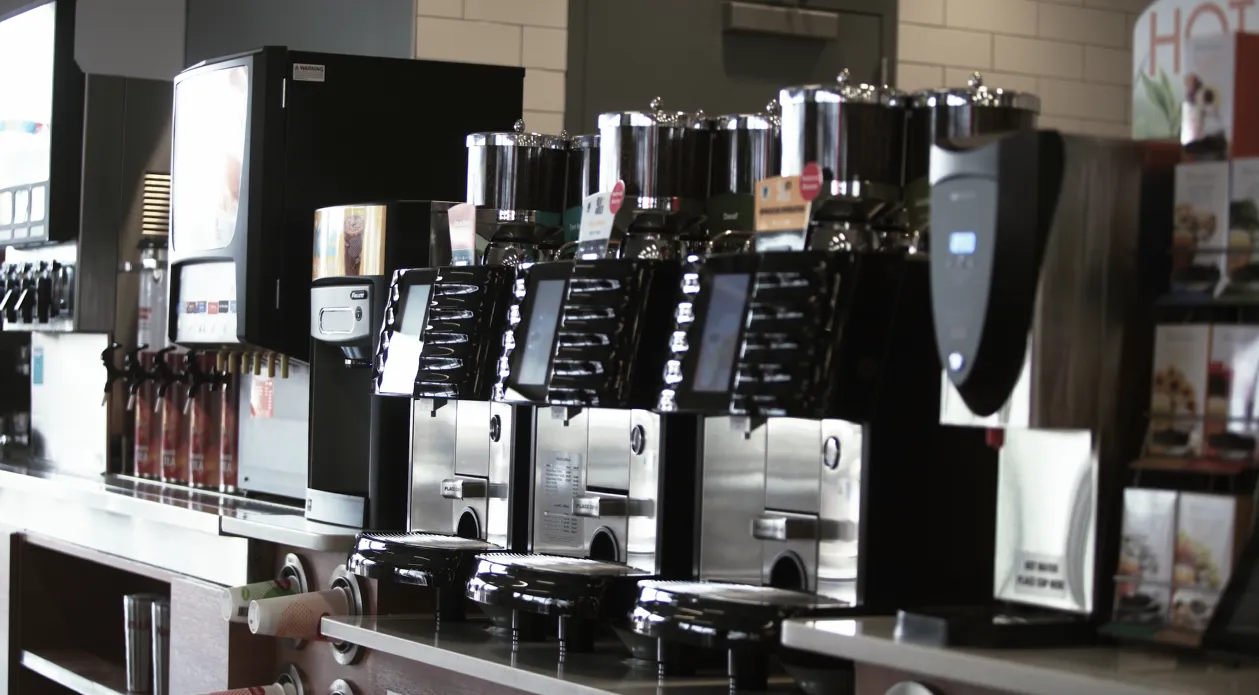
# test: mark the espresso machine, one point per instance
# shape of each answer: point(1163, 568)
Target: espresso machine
point(438, 357)
point(1050, 223)
point(358, 462)
point(252, 163)
point(828, 483)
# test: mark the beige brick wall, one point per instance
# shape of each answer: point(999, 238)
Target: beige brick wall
point(532, 34)
point(1075, 54)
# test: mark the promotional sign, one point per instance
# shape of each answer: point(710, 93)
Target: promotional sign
point(598, 213)
point(1159, 56)
point(463, 234)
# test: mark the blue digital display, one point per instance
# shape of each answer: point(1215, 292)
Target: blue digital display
point(962, 243)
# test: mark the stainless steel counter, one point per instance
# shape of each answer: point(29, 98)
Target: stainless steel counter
point(200, 534)
point(1096, 671)
point(469, 648)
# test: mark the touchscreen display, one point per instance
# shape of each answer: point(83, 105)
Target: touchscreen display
point(211, 119)
point(415, 310)
point(720, 339)
point(548, 298)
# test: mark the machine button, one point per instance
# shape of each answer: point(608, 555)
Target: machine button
point(459, 489)
point(358, 313)
point(600, 507)
point(774, 527)
point(335, 320)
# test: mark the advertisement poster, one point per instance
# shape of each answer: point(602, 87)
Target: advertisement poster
point(1159, 56)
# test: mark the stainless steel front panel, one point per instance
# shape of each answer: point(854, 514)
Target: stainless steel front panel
point(560, 454)
point(69, 419)
point(609, 446)
point(788, 551)
point(274, 445)
point(839, 509)
point(1046, 513)
point(733, 493)
point(642, 527)
point(501, 462)
point(793, 459)
point(472, 438)
point(341, 313)
point(432, 462)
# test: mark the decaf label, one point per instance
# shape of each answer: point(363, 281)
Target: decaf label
point(572, 223)
point(731, 212)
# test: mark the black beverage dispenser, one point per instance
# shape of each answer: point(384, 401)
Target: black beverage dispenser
point(261, 141)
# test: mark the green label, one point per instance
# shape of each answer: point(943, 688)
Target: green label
point(731, 212)
point(572, 223)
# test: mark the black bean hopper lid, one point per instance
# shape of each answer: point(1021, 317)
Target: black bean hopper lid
point(718, 615)
point(554, 585)
point(416, 559)
point(976, 93)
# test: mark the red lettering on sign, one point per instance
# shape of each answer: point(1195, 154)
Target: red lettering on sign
point(1206, 8)
point(1240, 6)
point(1172, 39)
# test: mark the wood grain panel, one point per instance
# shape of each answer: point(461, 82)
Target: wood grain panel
point(875, 680)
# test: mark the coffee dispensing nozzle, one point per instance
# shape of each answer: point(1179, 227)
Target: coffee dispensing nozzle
point(165, 376)
point(112, 372)
point(135, 373)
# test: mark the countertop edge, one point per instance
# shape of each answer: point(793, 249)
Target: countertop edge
point(951, 664)
point(282, 535)
point(472, 666)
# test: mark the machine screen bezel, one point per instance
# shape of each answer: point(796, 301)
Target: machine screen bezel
point(687, 397)
point(555, 271)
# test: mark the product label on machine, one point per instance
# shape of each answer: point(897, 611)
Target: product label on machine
point(463, 234)
point(561, 482)
point(308, 72)
point(781, 214)
point(262, 398)
point(597, 215)
point(1040, 575)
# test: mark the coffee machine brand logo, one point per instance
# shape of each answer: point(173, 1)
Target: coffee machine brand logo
point(308, 72)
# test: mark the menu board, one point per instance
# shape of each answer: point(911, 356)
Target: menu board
point(548, 298)
point(211, 121)
point(719, 343)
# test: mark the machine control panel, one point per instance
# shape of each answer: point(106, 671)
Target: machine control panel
point(337, 316)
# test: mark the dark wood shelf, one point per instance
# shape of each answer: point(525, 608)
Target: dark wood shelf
point(77, 670)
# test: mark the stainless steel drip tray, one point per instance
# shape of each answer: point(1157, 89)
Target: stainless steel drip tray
point(535, 667)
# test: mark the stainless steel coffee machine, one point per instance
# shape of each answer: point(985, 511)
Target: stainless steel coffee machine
point(1044, 334)
point(613, 483)
point(828, 484)
point(440, 346)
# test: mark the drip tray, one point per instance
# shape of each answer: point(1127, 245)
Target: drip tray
point(688, 621)
point(441, 562)
point(536, 589)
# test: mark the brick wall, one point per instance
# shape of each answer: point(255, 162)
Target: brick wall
point(526, 33)
point(1075, 54)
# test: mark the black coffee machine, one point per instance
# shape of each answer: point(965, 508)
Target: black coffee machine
point(358, 456)
point(439, 359)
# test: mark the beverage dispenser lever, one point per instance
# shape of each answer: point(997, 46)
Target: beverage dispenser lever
point(112, 373)
point(197, 377)
point(164, 375)
point(136, 373)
